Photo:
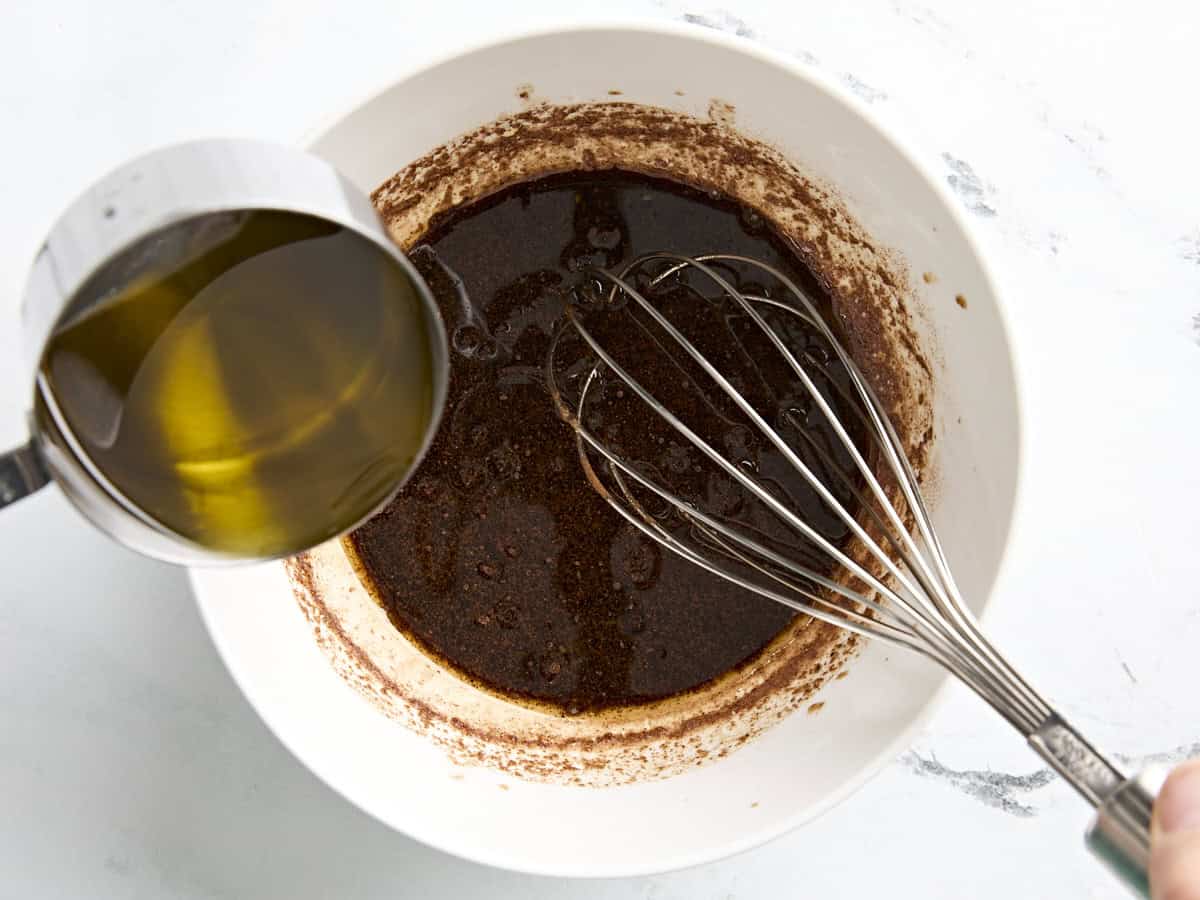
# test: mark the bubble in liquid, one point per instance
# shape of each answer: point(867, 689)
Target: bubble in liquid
point(752, 221)
point(467, 340)
point(604, 237)
point(508, 615)
point(589, 293)
point(818, 353)
point(471, 472)
point(505, 462)
point(550, 667)
point(580, 260)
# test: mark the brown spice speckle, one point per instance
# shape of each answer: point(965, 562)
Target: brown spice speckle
point(816, 708)
point(929, 278)
point(961, 300)
point(721, 112)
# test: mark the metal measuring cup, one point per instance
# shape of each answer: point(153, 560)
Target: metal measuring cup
point(104, 237)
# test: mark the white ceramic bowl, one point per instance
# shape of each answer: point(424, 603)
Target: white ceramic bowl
point(804, 765)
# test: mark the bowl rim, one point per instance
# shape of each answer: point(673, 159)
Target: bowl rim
point(892, 135)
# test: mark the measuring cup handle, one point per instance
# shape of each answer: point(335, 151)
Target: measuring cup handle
point(1120, 833)
point(21, 473)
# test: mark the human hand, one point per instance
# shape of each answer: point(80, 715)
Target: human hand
point(1175, 836)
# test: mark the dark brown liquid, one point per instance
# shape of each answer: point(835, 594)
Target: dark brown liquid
point(499, 557)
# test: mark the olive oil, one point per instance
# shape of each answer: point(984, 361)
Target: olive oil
point(258, 397)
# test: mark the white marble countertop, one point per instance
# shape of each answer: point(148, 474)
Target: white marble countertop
point(131, 767)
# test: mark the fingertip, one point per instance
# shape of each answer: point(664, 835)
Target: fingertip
point(1175, 866)
point(1178, 805)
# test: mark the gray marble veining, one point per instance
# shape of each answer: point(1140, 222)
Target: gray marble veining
point(970, 188)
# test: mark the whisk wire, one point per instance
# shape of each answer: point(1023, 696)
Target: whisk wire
point(717, 458)
point(931, 593)
point(916, 631)
point(919, 605)
point(905, 594)
point(917, 564)
point(946, 595)
point(935, 646)
point(753, 415)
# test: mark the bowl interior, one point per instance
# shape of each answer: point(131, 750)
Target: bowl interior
point(807, 763)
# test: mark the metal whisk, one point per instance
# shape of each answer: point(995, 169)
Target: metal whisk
point(890, 579)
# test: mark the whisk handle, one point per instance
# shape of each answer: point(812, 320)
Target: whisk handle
point(1120, 833)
